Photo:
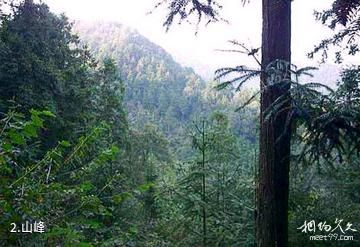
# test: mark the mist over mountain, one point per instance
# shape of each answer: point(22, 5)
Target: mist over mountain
point(158, 89)
point(161, 91)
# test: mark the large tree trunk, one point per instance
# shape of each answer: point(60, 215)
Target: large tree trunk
point(273, 184)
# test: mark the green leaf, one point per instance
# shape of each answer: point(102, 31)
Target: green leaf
point(115, 149)
point(117, 199)
point(86, 186)
point(16, 138)
point(5, 168)
point(126, 195)
point(7, 147)
point(30, 130)
point(37, 121)
point(145, 187)
point(47, 114)
point(65, 144)
point(133, 230)
point(34, 112)
point(2, 160)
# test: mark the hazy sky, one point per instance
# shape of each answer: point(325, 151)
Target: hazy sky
point(200, 51)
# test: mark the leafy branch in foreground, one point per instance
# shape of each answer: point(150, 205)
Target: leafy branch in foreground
point(60, 188)
point(328, 119)
point(344, 17)
point(185, 8)
point(239, 75)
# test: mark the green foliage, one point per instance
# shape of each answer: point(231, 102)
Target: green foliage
point(329, 135)
point(343, 17)
point(330, 121)
point(213, 190)
point(97, 179)
point(107, 101)
point(77, 190)
point(42, 66)
point(324, 196)
point(36, 190)
point(158, 90)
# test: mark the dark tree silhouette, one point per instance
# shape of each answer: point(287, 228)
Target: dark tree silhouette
point(273, 183)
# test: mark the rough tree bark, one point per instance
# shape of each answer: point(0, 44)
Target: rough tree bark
point(273, 183)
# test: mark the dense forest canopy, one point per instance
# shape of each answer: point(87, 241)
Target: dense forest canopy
point(105, 140)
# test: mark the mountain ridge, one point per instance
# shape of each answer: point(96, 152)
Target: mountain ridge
point(158, 89)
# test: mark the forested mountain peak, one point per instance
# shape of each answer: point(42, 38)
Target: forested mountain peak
point(158, 89)
point(127, 46)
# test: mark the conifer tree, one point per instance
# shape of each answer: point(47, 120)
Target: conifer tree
point(43, 66)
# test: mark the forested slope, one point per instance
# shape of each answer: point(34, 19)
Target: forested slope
point(161, 91)
point(119, 145)
point(157, 88)
point(82, 148)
